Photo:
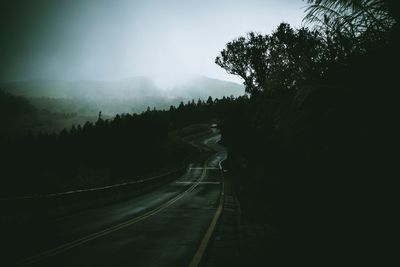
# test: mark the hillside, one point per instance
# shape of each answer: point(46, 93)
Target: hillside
point(124, 96)
point(18, 117)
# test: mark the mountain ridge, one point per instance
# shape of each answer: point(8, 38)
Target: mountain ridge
point(132, 87)
point(130, 95)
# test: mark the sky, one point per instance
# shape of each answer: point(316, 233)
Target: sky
point(117, 39)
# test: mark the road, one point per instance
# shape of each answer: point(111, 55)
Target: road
point(166, 227)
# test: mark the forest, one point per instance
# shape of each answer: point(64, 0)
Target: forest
point(312, 153)
point(109, 151)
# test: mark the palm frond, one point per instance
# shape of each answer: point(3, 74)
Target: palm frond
point(356, 14)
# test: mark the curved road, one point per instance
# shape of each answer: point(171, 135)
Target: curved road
point(166, 227)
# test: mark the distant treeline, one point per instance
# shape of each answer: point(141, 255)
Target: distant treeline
point(105, 152)
point(312, 151)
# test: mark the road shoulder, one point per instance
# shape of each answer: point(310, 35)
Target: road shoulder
point(238, 241)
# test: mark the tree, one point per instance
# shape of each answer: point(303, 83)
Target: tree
point(210, 101)
point(353, 17)
point(245, 57)
point(276, 62)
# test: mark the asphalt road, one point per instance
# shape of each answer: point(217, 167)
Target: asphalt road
point(166, 227)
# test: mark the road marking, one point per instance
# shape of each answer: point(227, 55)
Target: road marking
point(83, 240)
point(204, 242)
point(220, 164)
point(202, 168)
point(186, 182)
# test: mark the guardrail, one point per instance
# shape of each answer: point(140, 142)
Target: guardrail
point(91, 189)
point(57, 205)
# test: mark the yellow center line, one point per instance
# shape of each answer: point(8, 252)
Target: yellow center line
point(83, 240)
point(204, 242)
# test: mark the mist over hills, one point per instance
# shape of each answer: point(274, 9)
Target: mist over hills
point(135, 94)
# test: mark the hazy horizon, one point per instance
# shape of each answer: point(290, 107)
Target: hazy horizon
point(114, 40)
point(153, 76)
point(132, 95)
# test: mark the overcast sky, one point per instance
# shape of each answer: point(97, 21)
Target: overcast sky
point(115, 39)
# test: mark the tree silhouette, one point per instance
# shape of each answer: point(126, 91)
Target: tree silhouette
point(210, 100)
point(352, 17)
point(318, 123)
point(276, 62)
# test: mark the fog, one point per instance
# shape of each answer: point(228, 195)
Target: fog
point(112, 40)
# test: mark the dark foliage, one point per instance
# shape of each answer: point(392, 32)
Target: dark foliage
point(312, 150)
point(23, 113)
point(102, 153)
